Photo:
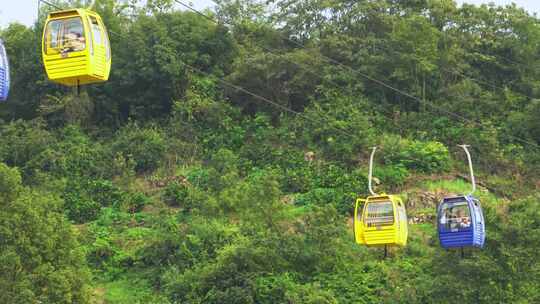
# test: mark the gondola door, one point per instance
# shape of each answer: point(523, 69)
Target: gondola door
point(100, 52)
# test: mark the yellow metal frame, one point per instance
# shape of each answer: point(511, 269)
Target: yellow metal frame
point(90, 65)
point(392, 235)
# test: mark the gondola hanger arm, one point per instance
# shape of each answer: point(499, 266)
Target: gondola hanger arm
point(92, 4)
point(473, 181)
point(370, 177)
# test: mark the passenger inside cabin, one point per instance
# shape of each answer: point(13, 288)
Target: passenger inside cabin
point(456, 217)
point(446, 218)
point(464, 220)
point(74, 42)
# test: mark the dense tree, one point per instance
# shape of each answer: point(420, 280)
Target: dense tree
point(40, 256)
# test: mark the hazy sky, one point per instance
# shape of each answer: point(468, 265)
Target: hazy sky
point(25, 11)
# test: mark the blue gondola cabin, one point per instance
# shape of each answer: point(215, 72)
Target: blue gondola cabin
point(461, 222)
point(4, 73)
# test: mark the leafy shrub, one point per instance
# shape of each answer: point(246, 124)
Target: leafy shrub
point(10, 183)
point(317, 196)
point(226, 279)
point(297, 179)
point(199, 240)
point(102, 249)
point(21, 141)
point(73, 155)
point(525, 124)
point(145, 146)
point(284, 288)
point(105, 192)
point(346, 129)
point(40, 257)
point(81, 209)
point(427, 157)
point(189, 198)
point(175, 194)
point(201, 177)
point(262, 146)
point(391, 176)
point(137, 201)
point(84, 198)
point(331, 184)
point(224, 161)
point(216, 123)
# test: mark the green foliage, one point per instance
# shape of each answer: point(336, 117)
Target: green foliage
point(73, 155)
point(201, 177)
point(131, 290)
point(284, 289)
point(273, 77)
point(175, 194)
point(203, 115)
point(85, 198)
point(331, 184)
point(152, 56)
point(21, 141)
point(137, 201)
point(196, 243)
point(249, 202)
point(317, 196)
point(526, 122)
point(48, 266)
point(391, 176)
point(27, 77)
point(10, 182)
point(144, 146)
point(427, 157)
point(346, 130)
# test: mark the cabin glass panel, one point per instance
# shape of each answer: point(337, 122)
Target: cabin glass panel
point(3, 64)
point(402, 214)
point(380, 214)
point(107, 44)
point(455, 217)
point(96, 30)
point(3, 57)
point(65, 35)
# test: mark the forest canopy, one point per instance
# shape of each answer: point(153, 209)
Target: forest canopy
point(221, 161)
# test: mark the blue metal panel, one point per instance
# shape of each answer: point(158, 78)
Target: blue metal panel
point(456, 239)
point(4, 73)
point(479, 227)
point(473, 236)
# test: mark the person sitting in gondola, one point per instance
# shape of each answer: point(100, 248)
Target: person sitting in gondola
point(464, 221)
point(73, 42)
point(446, 219)
point(452, 219)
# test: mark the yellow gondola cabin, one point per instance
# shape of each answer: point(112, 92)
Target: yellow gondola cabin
point(380, 220)
point(76, 48)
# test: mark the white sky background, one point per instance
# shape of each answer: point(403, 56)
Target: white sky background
point(25, 11)
point(533, 6)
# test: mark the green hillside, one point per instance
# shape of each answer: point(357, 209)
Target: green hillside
point(221, 161)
